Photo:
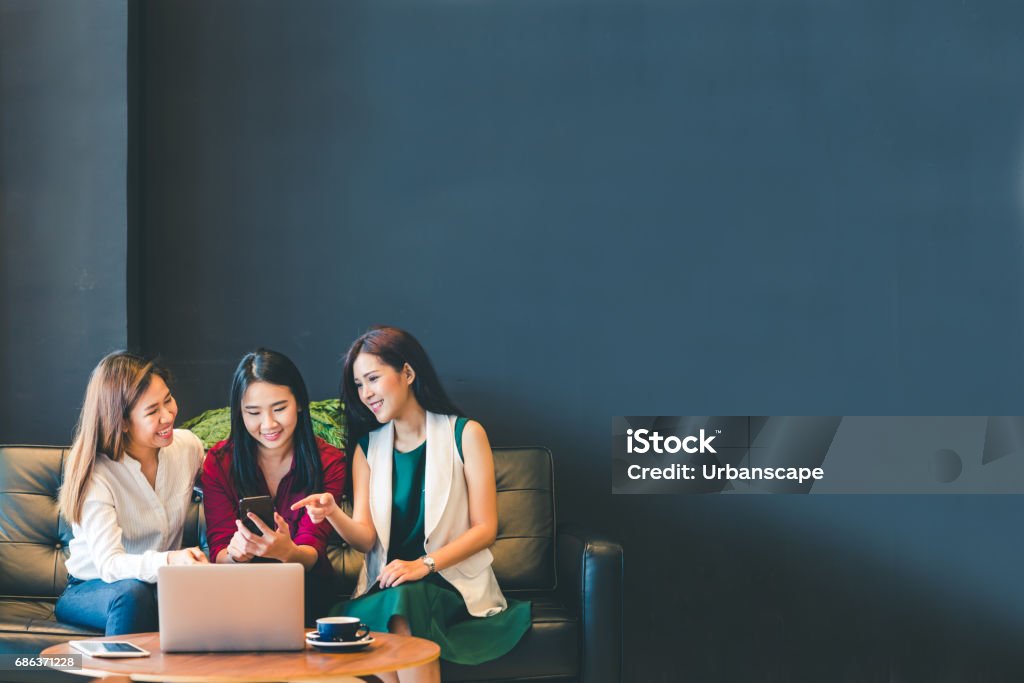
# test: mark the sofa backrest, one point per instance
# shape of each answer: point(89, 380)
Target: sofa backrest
point(524, 554)
point(34, 538)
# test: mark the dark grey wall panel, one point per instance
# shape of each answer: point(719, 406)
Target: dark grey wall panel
point(63, 135)
point(586, 209)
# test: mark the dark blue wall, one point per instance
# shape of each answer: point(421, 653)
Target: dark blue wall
point(586, 209)
point(63, 230)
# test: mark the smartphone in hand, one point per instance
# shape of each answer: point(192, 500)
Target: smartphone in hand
point(262, 507)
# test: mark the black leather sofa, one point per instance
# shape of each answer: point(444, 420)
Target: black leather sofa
point(574, 579)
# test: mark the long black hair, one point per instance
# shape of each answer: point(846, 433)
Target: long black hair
point(394, 347)
point(264, 365)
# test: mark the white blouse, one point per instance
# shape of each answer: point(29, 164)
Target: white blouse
point(128, 527)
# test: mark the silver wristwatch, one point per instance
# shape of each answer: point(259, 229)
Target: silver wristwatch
point(429, 561)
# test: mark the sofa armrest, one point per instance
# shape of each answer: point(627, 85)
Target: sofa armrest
point(195, 519)
point(590, 582)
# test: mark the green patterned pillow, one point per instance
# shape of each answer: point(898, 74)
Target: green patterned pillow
point(328, 423)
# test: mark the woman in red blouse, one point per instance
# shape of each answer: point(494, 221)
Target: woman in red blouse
point(271, 451)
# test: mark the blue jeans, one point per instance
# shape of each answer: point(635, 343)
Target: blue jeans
point(126, 606)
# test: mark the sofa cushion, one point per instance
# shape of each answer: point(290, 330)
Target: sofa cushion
point(33, 537)
point(345, 561)
point(28, 626)
point(524, 552)
point(550, 649)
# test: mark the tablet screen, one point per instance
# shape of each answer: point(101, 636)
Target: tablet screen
point(118, 647)
point(115, 647)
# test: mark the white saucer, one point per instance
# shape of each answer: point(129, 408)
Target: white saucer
point(313, 639)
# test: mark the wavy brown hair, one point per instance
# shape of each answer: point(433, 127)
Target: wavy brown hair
point(115, 386)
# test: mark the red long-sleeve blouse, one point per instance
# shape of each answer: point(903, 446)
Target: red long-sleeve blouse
point(220, 500)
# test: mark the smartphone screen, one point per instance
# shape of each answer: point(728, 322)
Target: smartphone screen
point(262, 507)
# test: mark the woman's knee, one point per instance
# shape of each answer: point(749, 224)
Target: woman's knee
point(133, 609)
point(132, 591)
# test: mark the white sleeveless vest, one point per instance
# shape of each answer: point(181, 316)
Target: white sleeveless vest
point(445, 512)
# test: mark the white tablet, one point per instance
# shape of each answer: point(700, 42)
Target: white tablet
point(108, 648)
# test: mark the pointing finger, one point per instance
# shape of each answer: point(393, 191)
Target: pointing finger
point(308, 500)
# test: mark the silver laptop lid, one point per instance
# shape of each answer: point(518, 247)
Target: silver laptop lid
point(224, 607)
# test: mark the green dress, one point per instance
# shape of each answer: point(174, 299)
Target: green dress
point(432, 606)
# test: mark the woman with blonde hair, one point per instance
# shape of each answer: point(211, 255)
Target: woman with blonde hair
point(126, 491)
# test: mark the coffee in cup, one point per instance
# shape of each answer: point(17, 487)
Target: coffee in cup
point(341, 629)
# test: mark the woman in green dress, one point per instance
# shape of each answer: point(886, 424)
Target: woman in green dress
point(424, 508)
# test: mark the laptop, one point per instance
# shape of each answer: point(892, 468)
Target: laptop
point(231, 608)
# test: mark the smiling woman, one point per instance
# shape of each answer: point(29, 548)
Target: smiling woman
point(424, 509)
point(127, 487)
point(273, 452)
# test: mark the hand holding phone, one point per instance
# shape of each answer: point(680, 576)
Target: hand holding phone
point(262, 507)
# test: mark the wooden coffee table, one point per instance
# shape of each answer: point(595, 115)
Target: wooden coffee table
point(388, 652)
